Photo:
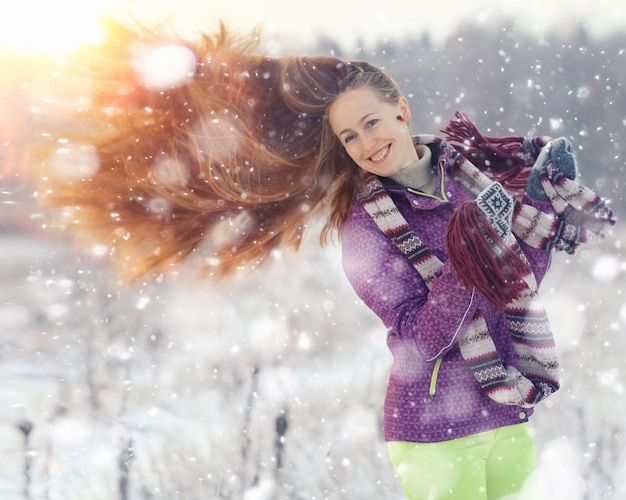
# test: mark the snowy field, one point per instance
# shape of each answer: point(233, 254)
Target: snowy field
point(266, 387)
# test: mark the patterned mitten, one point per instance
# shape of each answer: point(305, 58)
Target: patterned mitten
point(497, 207)
point(558, 157)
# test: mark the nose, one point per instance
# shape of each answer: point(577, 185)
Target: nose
point(369, 143)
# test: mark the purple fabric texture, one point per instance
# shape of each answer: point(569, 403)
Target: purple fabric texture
point(427, 402)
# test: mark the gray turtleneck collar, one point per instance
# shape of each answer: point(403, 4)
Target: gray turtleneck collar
point(418, 174)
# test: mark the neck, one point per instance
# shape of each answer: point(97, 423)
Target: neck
point(418, 175)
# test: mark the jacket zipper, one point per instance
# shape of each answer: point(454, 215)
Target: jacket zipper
point(443, 198)
point(433, 377)
point(442, 188)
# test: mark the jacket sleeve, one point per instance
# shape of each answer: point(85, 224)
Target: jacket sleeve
point(429, 322)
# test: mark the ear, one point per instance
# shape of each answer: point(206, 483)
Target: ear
point(405, 110)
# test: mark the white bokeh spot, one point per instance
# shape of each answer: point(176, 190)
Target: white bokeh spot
point(166, 67)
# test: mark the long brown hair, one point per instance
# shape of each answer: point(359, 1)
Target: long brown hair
point(237, 159)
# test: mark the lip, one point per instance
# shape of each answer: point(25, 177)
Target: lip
point(386, 150)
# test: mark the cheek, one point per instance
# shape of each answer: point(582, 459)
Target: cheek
point(352, 150)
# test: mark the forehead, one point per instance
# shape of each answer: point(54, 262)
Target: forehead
point(351, 106)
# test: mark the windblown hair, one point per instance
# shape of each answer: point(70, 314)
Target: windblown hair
point(237, 159)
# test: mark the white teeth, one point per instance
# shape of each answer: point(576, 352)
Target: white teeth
point(379, 156)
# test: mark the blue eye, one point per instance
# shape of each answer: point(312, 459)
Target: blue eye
point(371, 123)
point(348, 138)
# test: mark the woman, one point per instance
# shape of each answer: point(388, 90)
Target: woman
point(446, 437)
point(241, 155)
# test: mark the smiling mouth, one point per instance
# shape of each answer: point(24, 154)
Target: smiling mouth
point(380, 155)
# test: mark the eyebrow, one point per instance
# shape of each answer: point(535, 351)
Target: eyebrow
point(360, 121)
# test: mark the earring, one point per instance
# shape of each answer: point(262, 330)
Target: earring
point(400, 117)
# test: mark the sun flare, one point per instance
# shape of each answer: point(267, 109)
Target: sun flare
point(51, 26)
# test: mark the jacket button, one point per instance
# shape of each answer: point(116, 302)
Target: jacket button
point(522, 415)
point(415, 202)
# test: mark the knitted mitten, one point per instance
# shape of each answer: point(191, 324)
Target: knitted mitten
point(580, 215)
point(497, 207)
point(558, 157)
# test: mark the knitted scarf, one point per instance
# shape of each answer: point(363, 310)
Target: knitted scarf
point(543, 168)
point(491, 259)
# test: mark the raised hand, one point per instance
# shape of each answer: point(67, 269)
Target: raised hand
point(555, 160)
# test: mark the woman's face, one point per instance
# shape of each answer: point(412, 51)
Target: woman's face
point(370, 131)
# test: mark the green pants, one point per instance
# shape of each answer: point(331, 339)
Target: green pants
point(489, 465)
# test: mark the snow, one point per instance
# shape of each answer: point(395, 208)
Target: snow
point(195, 377)
point(272, 385)
point(197, 386)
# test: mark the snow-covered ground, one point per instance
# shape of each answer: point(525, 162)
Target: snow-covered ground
point(260, 388)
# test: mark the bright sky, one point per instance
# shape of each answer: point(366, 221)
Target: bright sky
point(59, 25)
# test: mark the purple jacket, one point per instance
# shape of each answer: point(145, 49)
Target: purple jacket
point(431, 395)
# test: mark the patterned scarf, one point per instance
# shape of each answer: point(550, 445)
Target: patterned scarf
point(580, 214)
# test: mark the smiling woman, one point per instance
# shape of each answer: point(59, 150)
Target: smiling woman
point(54, 27)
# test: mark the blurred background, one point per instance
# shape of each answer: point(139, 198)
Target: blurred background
point(271, 386)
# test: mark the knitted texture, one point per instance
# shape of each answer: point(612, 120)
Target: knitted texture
point(580, 214)
point(497, 206)
point(530, 330)
point(479, 245)
point(506, 159)
point(393, 225)
point(431, 395)
point(427, 401)
point(535, 350)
